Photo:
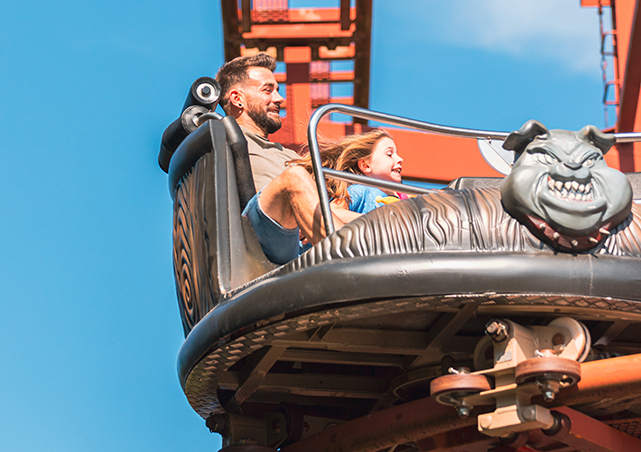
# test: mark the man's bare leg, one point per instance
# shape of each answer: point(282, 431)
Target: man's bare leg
point(292, 200)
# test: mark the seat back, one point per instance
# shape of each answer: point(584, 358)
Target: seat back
point(215, 249)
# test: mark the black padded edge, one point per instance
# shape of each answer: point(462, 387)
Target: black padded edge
point(197, 144)
point(240, 154)
point(362, 280)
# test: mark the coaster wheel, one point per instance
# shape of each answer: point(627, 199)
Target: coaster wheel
point(447, 389)
point(565, 371)
point(579, 334)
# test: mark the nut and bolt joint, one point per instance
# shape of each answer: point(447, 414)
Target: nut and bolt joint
point(548, 395)
point(463, 411)
point(497, 330)
point(217, 423)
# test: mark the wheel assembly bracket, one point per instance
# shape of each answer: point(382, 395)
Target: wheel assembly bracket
point(527, 361)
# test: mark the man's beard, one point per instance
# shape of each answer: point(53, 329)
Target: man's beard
point(262, 120)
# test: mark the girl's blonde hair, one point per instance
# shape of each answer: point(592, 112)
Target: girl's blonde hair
point(343, 155)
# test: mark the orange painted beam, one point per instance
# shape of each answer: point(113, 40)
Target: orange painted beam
point(623, 14)
point(342, 100)
point(299, 31)
point(362, 58)
point(297, 55)
point(429, 157)
point(629, 154)
point(629, 109)
point(339, 53)
point(318, 15)
point(589, 3)
point(338, 76)
point(626, 21)
point(439, 158)
point(299, 102)
point(629, 117)
point(423, 418)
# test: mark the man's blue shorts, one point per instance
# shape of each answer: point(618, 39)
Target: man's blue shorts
point(279, 244)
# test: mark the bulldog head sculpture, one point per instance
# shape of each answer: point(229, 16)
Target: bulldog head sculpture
point(561, 188)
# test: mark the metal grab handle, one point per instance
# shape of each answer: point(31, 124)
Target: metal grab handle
point(321, 173)
point(627, 137)
point(382, 184)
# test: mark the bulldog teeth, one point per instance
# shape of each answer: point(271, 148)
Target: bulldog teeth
point(571, 190)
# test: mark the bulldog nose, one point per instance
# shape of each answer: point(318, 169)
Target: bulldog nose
point(573, 165)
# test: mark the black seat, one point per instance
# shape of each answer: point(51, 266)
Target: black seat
point(210, 236)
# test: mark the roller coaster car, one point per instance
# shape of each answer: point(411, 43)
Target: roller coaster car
point(468, 319)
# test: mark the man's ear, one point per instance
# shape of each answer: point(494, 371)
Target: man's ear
point(363, 166)
point(237, 98)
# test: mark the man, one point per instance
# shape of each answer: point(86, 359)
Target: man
point(287, 199)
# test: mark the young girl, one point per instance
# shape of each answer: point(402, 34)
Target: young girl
point(372, 154)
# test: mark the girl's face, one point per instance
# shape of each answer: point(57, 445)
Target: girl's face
point(384, 163)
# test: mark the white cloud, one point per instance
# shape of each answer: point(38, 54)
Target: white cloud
point(559, 30)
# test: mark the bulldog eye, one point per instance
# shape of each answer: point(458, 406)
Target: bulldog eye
point(545, 158)
point(588, 162)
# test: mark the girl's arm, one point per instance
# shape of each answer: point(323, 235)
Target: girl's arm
point(340, 210)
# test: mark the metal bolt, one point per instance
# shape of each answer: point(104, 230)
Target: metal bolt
point(496, 329)
point(548, 395)
point(558, 339)
point(463, 411)
point(206, 90)
point(529, 413)
point(485, 422)
point(217, 423)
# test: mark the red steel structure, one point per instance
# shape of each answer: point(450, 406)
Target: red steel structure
point(309, 40)
point(434, 427)
point(626, 53)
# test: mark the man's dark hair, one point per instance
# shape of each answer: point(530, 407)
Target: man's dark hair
point(235, 71)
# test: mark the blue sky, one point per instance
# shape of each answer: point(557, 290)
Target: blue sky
point(90, 329)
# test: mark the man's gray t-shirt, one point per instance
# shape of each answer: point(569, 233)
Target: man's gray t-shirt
point(267, 159)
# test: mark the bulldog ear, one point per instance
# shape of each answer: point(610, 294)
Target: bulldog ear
point(592, 135)
point(516, 141)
